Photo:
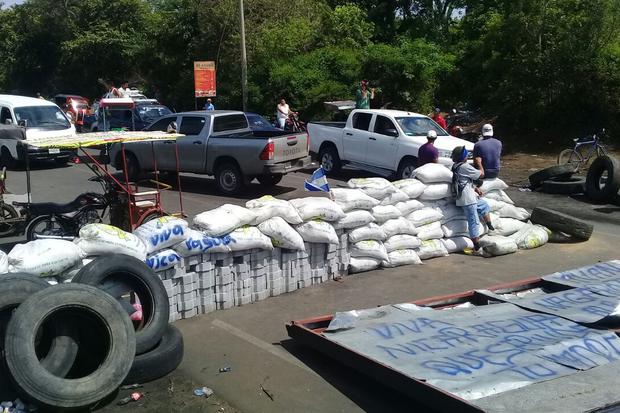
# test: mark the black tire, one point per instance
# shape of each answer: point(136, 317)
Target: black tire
point(557, 221)
point(134, 171)
point(229, 179)
point(329, 160)
point(562, 238)
point(161, 360)
point(8, 212)
point(555, 171)
point(122, 276)
point(90, 310)
point(6, 159)
point(607, 192)
point(574, 185)
point(406, 168)
point(269, 180)
point(46, 225)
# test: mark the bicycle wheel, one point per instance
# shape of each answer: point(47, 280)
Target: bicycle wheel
point(570, 156)
point(7, 212)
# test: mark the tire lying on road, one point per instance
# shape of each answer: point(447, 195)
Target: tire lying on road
point(603, 191)
point(109, 360)
point(572, 185)
point(161, 360)
point(557, 221)
point(122, 277)
point(555, 171)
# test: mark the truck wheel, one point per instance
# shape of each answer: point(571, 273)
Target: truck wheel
point(133, 167)
point(329, 159)
point(229, 179)
point(6, 159)
point(406, 168)
point(269, 180)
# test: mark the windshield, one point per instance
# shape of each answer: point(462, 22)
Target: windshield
point(257, 121)
point(152, 113)
point(419, 126)
point(42, 117)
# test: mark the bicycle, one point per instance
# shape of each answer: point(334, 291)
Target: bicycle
point(579, 156)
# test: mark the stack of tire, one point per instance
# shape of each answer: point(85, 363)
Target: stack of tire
point(70, 346)
point(603, 180)
point(558, 179)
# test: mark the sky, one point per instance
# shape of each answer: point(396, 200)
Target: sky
point(11, 2)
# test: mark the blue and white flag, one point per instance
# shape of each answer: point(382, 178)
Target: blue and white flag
point(317, 182)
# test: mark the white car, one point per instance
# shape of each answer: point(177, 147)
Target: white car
point(385, 142)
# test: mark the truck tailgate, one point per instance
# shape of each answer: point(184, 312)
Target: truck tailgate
point(289, 147)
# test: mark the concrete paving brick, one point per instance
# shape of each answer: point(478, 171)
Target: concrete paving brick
point(189, 313)
point(260, 295)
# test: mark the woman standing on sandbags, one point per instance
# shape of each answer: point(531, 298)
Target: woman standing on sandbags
point(467, 196)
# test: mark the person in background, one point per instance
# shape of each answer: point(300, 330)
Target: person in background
point(467, 196)
point(439, 119)
point(124, 89)
point(487, 152)
point(427, 152)
point(209, 105)
point(283, 112)
point(39, 96)
point(363, 95)
point(112, 90)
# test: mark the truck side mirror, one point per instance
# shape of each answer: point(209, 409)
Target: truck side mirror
point(23, 123)
point(172, 127)
point(391, 132)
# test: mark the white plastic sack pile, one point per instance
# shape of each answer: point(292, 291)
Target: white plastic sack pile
point(401, 242)
point(412, 187)
point(317, 231)
point(363, 264)
point(457, 244)
point(318, 207)
point(424, 216)
point(44, 257)
point(282, 234)
point(350, 199)
point(432, 173)
point(377, 188)
point(496, 245)
point(396, 197)
point(459, 227)
point(370, 231)
point(4, 263)
point(162, 233)
point(510, 211)
point(401, 257)
point(431, 249)
point(494, 205)
point(384, 213)
point(530, 236)
point(399, 226)
point(430, 231)
point(199, 243)
point(408, 207)
point(368, 249)
point(247, 238)
point(267, 207)
point(224, 219)
point(451, 212)
point(506, 226)
point(436, 191)
point(354, 219)
point(162, 260)
point(495, 184)
point(102, 239)
point(499, 195)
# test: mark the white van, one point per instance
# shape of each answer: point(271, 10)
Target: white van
point(41, 118)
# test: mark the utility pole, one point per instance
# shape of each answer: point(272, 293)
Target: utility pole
point(244, 60)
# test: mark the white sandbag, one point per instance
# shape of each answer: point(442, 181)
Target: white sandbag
point(424, 216)
point(506, 226)
point(496, 245)
point(224, 219)
point(350, 199)
point(4, 263)
point(399, 226)
point(368, 248)
point(362, 264)
point(162, 260)
point(412, 187)
point(396, 197)
point(370, 231)
point(162, 233)
point(432, 173)
point(354, 219)
point(102, 239)
point(460, 227)
point(267, 207)
point(247, 238)
point(436, 191)
point(383, 213)
point(401, 257)
point(494, 205)
point(44, 257)
point(530, 236)
point(317, 231)
point(318, 207)
point(494, 184)
point(432, 248)
point(499, 195)
point(282, 234)
point(439, 203)
point(200, 243)
point(401, 242)
point(430, 231)
point(451, 212)
point(407, 207)
point(377, 188)
point(511, 211)
point(457, 244)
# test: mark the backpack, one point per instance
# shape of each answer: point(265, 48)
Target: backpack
point(457, 187)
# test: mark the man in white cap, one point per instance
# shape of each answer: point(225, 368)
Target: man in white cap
point(487, 152)
point(427, 152)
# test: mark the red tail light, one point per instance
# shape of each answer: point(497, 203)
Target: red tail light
point(268, 152)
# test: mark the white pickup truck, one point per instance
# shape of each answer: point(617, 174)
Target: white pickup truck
point(385, 142)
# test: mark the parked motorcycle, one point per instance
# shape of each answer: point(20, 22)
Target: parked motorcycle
point(293, 123)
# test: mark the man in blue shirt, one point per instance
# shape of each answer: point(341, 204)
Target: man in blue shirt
point(487, 152)
point(209, 105)
point(427, 152)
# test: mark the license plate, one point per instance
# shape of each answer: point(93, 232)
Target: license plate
point(54, 150)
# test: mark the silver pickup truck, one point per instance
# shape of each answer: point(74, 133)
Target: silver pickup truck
point(219, 143)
